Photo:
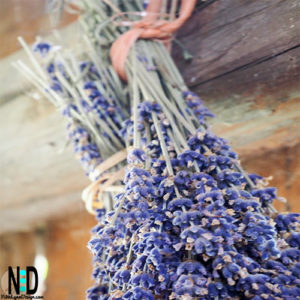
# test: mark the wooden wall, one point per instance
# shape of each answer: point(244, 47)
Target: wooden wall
point(26, 18)
point(70, 266)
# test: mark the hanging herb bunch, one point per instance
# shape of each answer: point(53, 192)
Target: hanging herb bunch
point(189, 222)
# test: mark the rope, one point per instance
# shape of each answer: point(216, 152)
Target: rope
point(110, 162)
point(150, 27)
point(92, 194)
point(103, 181)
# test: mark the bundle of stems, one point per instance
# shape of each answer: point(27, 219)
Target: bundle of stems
point(189, 223)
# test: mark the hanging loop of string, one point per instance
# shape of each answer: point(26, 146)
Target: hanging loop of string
point(150, 27)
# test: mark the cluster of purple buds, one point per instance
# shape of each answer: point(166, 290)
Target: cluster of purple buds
point(196, 104)
point(190, 225)
point(86, 151)
point(93, 110)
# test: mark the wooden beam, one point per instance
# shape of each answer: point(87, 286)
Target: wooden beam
point(229, 38)
point(277, 78)
point(257, 126)
point(39, 176)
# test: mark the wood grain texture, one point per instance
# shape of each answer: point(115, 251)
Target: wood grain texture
point(277, 78)
point(257, 126)
point(37, 171)
point(246, 67)
point(231, 36)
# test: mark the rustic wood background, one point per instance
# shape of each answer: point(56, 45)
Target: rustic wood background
point(246, 68)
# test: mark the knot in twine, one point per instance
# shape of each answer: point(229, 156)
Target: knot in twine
point(150, 27)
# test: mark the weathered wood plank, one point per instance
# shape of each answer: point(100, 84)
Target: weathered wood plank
point(258, 126)
point(277, 78)
point(229, 35)
point(250, 103)
point(36, 175)
point(29, 213)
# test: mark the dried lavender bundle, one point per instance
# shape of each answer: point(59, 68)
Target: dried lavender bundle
point(93, 109)
point(91, 98)
point(190, 223)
